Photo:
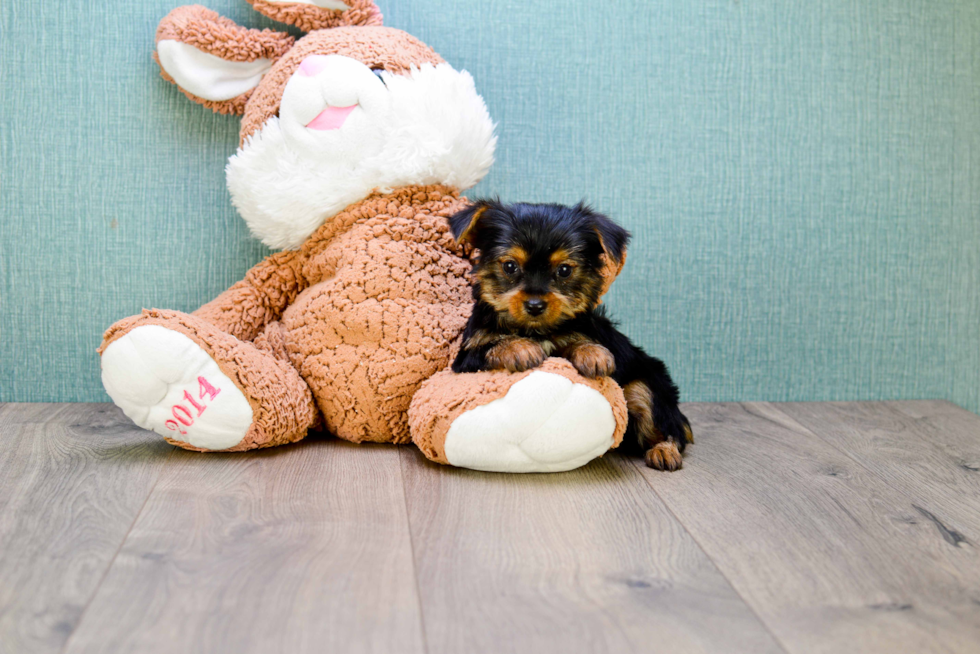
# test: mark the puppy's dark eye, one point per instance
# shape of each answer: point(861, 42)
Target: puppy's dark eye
point(510, 267)
point(377, 73)
point(564, 270)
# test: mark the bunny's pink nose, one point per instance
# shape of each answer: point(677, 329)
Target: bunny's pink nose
point(331, 118)
point(312, 65)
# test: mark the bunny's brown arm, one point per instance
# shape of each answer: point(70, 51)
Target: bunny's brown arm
point(260, 298)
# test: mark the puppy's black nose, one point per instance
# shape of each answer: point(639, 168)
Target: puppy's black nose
point(535, 306)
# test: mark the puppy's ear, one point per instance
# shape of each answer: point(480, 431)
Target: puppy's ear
point(613, 238)
point(465, 225)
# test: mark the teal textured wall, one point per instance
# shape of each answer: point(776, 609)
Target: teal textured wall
point(802, 180)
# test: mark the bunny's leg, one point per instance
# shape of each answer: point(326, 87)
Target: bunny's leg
point(203, 389)
point(549, 419)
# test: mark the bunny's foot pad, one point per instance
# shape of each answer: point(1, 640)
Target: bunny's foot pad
point(165, 382)
point(549, 419)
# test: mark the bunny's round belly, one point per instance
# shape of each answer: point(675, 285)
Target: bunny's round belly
point(364, 353)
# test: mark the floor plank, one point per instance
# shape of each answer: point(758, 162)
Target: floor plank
point(831, 557)
point(73, 478)
point(296, 549)
point(846, 527)
point(586, 561)
point(931, 450)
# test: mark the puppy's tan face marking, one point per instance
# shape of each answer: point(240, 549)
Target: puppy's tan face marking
point(500, 300)
point(510, 305)
point(556, 309)
point(515, 253)
point(559, 257)
point(515, 304)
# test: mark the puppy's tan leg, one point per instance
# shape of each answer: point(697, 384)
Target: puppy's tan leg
point(663, 453)
point(639, 403)
point(515, 354)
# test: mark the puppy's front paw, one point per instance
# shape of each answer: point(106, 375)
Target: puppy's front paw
point(664, 456)
point(592, 360)
point(515, 355)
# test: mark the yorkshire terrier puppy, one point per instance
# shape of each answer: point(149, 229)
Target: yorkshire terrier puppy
point(538, 281)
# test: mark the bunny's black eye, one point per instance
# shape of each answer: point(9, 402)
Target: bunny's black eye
point(564, 270)
point(510, 267)
point(377, 73)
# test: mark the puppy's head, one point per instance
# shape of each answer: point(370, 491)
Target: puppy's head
point(540, 264)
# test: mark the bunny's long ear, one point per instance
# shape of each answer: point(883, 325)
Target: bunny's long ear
point(309, 15)
point(214, 61)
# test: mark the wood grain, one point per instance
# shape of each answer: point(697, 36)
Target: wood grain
point(73, 479)
point(800, 528)
point(828, 554)
point(928, 449)
point(586, 561)
point(296, 549)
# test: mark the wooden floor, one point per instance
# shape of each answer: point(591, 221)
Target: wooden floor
point(792, 528)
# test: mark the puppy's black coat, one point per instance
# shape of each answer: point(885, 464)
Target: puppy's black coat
point(539, 275)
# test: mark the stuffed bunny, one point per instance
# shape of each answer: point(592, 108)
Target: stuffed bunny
point(355, 143)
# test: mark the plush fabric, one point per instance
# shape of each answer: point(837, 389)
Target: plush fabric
point(213, 35)
point(319, 14)
point(340, 331)
point(446, 401)
point(367, 310)
point(426, 126)
point(163, 380)
point(375, 47)
point(205, 76)
point(281, 403)
point(207, 31)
